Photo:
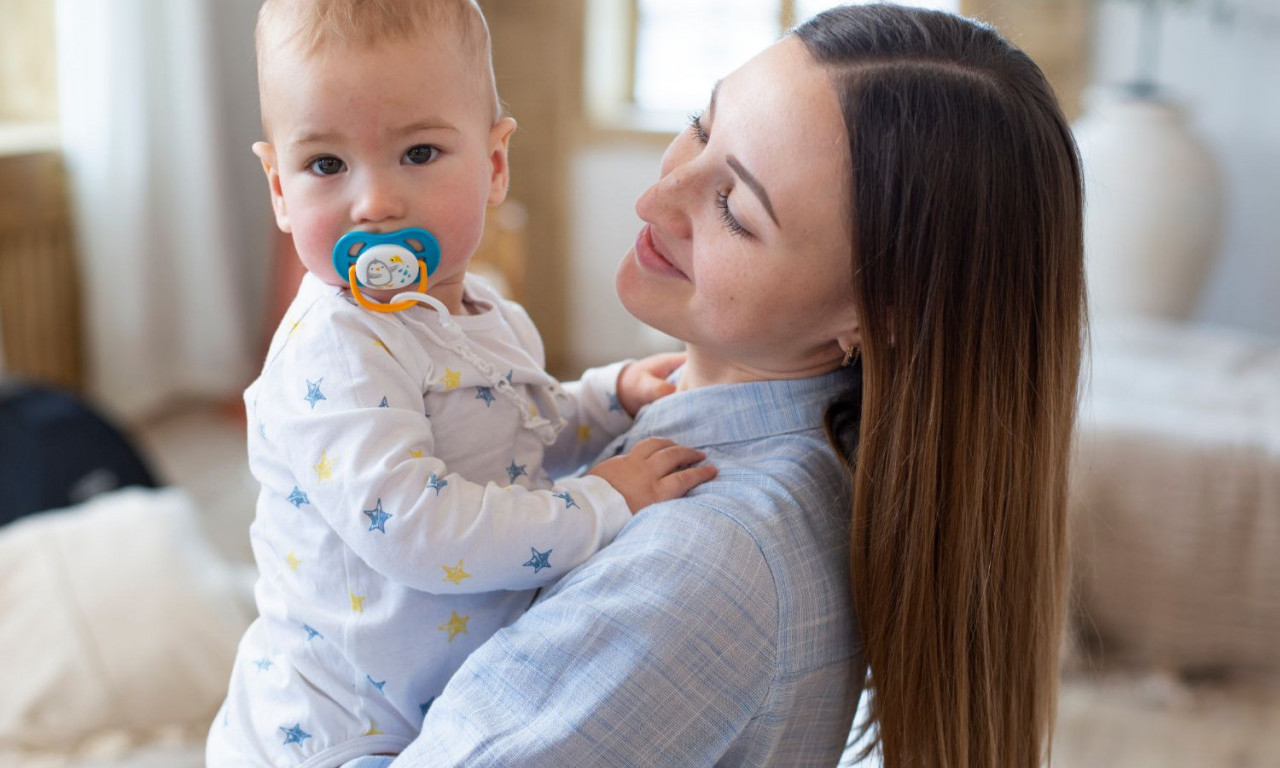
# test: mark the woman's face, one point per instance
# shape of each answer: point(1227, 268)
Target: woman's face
point(746, 251)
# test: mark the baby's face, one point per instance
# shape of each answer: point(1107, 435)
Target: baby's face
point(402, 135)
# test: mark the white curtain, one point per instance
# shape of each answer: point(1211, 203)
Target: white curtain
point(166, 290)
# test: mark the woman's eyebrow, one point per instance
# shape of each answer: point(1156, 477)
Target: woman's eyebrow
point(754, 184)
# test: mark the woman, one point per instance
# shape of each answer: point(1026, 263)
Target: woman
point(871, 243)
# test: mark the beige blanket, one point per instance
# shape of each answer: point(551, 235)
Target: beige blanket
point(1176, 498)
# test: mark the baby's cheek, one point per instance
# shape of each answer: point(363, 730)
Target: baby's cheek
point(314, 241)
point(459, 231)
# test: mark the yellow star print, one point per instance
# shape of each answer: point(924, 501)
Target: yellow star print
point(533, 411)
point(417, 454)
point(451, 379)
point(457, 625)
point(324, 469)
point(293, 329)
point(584, 433)
point(455, 574)
point(373, 730)
point(357, 602)
point(381, 343)
point(292, 561)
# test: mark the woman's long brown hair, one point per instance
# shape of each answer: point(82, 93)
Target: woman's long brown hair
point(968, 276)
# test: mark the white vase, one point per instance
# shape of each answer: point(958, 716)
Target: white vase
point(1153, 206)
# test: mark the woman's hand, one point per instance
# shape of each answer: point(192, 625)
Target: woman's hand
point(645, 380)
point(654, 470)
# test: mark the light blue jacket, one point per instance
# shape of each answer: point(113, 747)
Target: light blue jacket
point(716, 630)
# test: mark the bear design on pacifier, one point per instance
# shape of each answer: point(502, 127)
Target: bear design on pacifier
point(390, 261)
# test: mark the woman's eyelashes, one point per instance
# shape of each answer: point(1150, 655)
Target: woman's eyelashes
point(697, 129)
point(731, 223)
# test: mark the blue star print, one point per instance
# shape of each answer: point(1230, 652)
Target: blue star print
point(313, 392)
point(539, 560)
point(516, 470)
point(263, 664)
point(384, 403)
point(294, 735)
point(377, 518)
point(375, 683)
point(568, 499)
point(485, 394)
point(614, 403)
point(435, 483)
point(426, 705)
point(312, 633)
point(298, 498)
point(510, 374)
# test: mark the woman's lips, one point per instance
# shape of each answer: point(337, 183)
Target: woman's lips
point(649, 258)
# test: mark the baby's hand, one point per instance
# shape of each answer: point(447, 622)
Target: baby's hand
point(655, 470)
point(645, 380)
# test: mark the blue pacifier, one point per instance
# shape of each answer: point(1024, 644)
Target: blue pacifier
point(391, 261)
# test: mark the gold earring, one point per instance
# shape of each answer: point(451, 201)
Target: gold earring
point(850, 355)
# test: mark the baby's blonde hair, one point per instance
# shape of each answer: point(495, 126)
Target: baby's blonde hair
point(311, 26)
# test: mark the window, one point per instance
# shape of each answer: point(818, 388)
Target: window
point(28, 92)
point(652, 62)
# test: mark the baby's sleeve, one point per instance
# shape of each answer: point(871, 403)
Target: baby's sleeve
point(595, 419)
point(347, 413)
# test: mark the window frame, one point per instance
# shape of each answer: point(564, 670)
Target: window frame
point(609, 109)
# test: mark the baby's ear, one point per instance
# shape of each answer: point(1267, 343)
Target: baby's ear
point(267, 155)
point(500, 177)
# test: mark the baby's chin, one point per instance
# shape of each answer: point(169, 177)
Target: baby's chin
point(384, 296)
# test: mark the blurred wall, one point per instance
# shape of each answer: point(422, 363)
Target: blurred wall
point(238, 81)
point(1223, 68)
point(607, 177)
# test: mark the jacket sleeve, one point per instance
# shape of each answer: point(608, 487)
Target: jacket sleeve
point(348, 414)
point(658, 651)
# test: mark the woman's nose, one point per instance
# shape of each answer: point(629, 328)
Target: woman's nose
point(378, 200)
point(668, 202)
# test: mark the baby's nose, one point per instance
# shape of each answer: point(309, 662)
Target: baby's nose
point(378, 201)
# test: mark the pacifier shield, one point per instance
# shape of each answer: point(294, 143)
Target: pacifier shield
point(386, 261)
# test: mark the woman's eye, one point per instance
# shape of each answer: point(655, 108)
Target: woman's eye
point(326, 166)
point(695, 127)
point(730, 221)
point(421, 154)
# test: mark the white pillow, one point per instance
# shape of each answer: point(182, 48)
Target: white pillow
point(116, 616)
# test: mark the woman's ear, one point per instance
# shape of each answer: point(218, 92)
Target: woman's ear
point(267, 155)
point(849, 329)
point(499, 139)
point(850, 339)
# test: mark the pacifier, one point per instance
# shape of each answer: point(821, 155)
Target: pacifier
point(390, 261)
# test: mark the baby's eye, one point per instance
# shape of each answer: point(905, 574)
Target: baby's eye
point(421, 154)
point(326, 166)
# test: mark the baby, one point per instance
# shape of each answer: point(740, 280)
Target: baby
point(403, 428)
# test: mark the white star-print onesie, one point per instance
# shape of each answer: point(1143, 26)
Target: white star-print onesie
point(406, 514)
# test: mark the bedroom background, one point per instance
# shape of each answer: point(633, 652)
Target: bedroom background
point(140, 269)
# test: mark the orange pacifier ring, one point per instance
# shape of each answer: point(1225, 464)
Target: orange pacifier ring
point(391, 261)
point(378, 306)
